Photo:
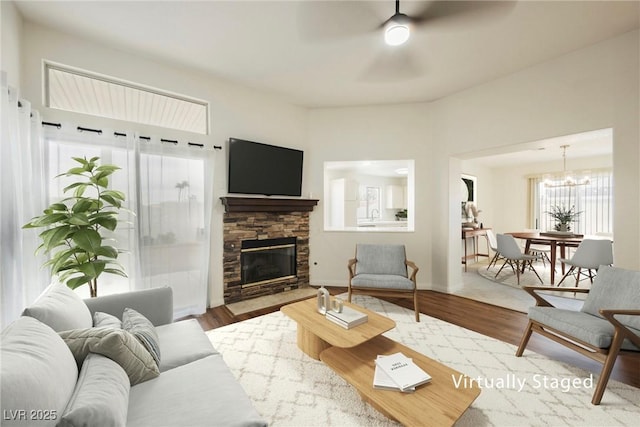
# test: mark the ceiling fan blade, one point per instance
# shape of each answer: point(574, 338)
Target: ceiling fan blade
point(438, 11)
point(332, 20)
point(392, 65)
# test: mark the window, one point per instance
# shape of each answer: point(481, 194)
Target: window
point(88, 93)
point(593, 198)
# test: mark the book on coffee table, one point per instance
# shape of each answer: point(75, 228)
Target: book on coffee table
point(347, 318)
point(382, 381)
point(402, 371)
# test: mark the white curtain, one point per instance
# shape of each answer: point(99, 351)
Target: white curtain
point(22, 192)
point(169, 188)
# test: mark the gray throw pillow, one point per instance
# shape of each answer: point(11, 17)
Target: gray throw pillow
point(106, 320)
point(143, 330)
point(37, 372)
point(116, 344)
point(101, 395)
point(60, 308)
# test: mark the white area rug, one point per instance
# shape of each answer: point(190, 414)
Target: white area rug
point(508, 278)
point(290, 389)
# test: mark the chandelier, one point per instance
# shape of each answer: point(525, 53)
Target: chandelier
point(567, 179)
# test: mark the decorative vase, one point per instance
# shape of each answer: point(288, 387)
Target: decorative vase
point(324, 302)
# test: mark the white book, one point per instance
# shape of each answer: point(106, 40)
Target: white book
point(382, 381)
point(348, 317)
point(403, 371)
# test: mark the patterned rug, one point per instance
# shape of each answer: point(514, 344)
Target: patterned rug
point(290, 389)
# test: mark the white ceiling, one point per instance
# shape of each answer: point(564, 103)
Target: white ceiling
point(321, 54)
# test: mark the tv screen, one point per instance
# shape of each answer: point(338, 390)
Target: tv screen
point(256, 168)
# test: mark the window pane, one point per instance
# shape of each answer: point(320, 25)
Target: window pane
point(593, 200)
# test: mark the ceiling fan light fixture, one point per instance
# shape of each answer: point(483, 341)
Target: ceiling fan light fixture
point(397, 31)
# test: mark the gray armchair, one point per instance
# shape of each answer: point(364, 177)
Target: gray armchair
point(607, 324)
point(381, 270)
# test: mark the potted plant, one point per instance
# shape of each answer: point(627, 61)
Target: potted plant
point(401, 215)
point(76, 225)
point(563, 217)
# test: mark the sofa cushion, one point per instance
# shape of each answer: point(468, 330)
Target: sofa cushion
point(615, 288)
point(116, 344)
point(101, 396)
point(141, 328)
point(381, 259)
point(590, 329)
point(181, 343)
point(201, 393)
point(60, 308)
point(37, 372)
point(106, 320)
point(385, 281)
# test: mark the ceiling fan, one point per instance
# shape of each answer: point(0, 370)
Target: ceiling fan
point(397, 29)
point(325, 21)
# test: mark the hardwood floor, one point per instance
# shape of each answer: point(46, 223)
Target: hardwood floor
point(497, 322)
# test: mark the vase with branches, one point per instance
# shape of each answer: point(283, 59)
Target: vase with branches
point(564, 217)
point(76, 225)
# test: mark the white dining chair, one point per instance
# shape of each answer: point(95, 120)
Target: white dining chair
point(493, 245)
point(509, 249)
point(589, 256)
point(540, 251)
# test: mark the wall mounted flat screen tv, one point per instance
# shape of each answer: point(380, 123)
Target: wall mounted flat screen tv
point(256, 168)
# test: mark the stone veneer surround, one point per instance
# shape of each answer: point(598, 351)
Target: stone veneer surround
point(245, 221)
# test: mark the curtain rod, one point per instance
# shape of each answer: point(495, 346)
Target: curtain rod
point(145, 138)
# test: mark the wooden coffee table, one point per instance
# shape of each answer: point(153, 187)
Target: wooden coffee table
point(315, 333)
point(437, 403)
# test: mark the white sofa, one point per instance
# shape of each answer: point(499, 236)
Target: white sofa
point(43, 384)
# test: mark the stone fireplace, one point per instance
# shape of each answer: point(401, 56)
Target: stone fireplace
point(266, 246)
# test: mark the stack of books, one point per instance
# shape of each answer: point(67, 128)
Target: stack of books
point(347, 318)
point(398, 372)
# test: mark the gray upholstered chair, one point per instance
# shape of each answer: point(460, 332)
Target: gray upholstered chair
point(381, 270)
point(607, 324)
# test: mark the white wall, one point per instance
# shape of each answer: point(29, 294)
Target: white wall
point(370, 133)
point(592, 88)
point(234, 110)
point(10, 34)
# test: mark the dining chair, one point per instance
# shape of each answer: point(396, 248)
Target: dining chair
point(509, 249)
point(589, 256)
point(541, 251)
point(493, 245)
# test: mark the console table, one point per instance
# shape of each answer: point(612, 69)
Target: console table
point(473, 233)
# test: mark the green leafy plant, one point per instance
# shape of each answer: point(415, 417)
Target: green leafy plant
point(76, 224)
point(563, 217)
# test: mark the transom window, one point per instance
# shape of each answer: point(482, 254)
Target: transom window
point(88, 93)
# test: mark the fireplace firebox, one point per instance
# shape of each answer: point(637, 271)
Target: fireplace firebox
point(267, 260)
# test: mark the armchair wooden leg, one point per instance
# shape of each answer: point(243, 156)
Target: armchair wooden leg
point(415, 305)
point(525, 339)
point(607, 367)
point(349, 294)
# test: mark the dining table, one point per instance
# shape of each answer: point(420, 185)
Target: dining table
point(554, 240)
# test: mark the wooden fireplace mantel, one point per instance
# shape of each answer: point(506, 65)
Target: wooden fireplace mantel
point(266, 204)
